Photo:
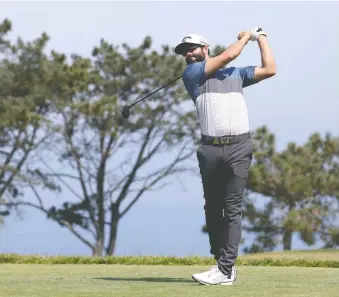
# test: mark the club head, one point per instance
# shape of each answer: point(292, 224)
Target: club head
point(125, 112)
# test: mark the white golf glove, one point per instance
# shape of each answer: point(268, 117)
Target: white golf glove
point(256, 32)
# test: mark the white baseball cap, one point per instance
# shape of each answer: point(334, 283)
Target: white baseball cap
point(188, 40)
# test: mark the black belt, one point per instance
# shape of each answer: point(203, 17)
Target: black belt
point(222, 140)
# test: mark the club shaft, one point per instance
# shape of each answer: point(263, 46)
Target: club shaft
point(155, 91)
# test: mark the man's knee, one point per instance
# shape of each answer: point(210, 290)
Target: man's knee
point(234, 197)
point(233, 213)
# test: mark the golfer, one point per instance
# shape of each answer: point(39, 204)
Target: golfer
point(225, 153)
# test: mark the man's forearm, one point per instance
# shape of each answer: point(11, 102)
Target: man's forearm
point(267, 59)
point(235, 49)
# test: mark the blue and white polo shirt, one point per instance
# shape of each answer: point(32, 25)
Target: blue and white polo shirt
point(219, 98)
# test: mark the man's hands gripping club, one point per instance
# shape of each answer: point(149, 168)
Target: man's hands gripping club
point(256, 32)
point(252, 34)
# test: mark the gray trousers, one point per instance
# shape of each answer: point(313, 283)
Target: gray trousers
point(224, 173)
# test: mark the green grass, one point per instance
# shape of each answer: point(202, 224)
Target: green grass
point(67, 280)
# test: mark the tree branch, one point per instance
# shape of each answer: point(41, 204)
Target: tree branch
point(160, 173)
point(63, 175)
point(61, 180)
point(19, 165)
point(137, 165)
point(82, 182)
point(9, 158)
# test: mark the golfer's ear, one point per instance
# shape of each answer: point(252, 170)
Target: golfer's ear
point(206, 50)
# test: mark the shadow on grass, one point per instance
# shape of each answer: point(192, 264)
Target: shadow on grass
point(147, 279)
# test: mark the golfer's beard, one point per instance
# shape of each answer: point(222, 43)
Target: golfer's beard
point(198, 58)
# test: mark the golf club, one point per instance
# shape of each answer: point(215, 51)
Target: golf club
point(126, 109)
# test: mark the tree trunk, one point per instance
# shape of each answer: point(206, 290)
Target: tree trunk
point(287, 239)
point(99, 247)
point(115, 216)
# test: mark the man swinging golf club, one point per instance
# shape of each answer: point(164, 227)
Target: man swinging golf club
point(225, 152)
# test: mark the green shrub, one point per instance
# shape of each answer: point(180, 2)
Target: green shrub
point(157, 260)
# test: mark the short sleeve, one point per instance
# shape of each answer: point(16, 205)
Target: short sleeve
point(247, 75)
point(193, 75)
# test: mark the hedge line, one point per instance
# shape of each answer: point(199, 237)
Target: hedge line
point(154, 260)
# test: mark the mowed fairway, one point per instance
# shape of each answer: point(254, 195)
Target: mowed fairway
point(23, 280)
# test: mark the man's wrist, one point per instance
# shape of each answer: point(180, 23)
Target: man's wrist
point(262, 40)
point(261, 37)
point(247, 38)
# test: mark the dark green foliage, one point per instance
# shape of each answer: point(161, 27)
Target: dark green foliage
point(300, 186)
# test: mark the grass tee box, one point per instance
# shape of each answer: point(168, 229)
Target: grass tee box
point(67, 280)
point(36, 276)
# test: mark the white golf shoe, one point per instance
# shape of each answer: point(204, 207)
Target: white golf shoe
point(216, 277)
point(204, 274)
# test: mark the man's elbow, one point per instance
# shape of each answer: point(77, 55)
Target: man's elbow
point(262, 73)
point(271, 71)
